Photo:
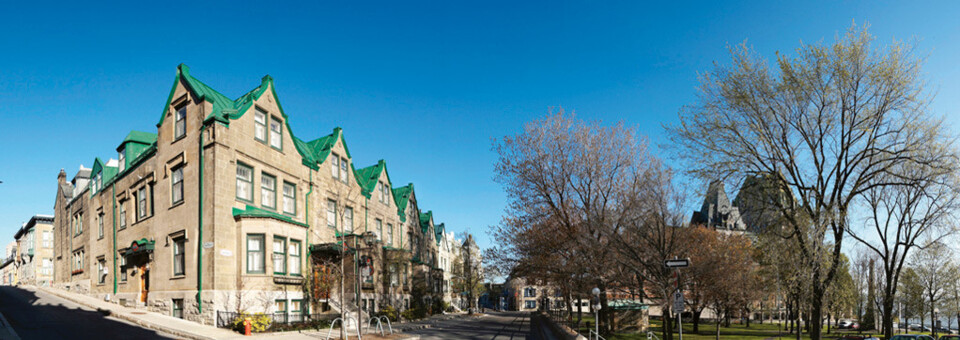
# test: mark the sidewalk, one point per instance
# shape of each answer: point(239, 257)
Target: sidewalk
point(189, 329)
point(151, 320)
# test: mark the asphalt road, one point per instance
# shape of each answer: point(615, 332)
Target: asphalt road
point(37, 315)
point(493, 326)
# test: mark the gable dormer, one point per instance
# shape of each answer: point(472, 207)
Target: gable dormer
point(375, 183)
point(132, 147)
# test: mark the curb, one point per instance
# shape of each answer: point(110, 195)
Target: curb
point(126, 317)
point(6, 331)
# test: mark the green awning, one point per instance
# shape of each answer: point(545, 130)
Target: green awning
point(141, 246)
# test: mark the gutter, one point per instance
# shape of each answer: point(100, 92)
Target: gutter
point(200, 227)
point(114, 189)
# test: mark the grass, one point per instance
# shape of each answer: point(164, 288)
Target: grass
point(736, 331)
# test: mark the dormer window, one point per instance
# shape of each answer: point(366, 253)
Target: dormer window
point(260, 125)
point(180, 126)
point(123, 160)
point(276, 133)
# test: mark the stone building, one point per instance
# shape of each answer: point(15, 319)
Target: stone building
point(717, 211)
point(34, 260)
point(224, 208)
point(8, 272)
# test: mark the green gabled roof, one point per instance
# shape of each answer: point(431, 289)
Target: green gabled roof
point(224, 110)
point(425, 218)
point(252, 211)
point(401, 196)
point(439, 229)
point(369, 177)
point(141, 137)
point(322, 146)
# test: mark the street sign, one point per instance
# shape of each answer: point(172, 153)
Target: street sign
point(678, 302)
point(676, 263)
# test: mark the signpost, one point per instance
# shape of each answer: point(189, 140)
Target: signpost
point(676, 264)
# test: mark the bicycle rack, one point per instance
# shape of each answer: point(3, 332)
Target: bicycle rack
point(379, 325)
point(595, 335)
point(652, 336)
point(344, 326)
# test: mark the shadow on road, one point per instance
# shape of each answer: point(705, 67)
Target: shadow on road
point(44, 316)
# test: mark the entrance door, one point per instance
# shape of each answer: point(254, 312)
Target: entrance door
point(144, 282)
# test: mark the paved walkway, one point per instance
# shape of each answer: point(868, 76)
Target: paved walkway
point(491, 326)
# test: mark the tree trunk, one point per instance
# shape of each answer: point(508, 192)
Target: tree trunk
point(696, 320)
point(828, 323)
point(718, 327)
point(933, 317)
point(667, 328)
point(816, 312)
point(887, 321)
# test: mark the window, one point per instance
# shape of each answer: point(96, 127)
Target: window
point(389, 234)
point(46, 267)
point(47, 239)
point(100, 225)
point(281, 306)
point(386, 194)
point(276, 140)
point(405, 275)
point(143, 209)
point(348, 221)
point(332, 214)
point(255, 254)
point(379, 224)
point(289, 198)
point(244, 183)
point(343, 170)
point(260, 125)
point(294, 257)
point(268, 191)
point(176, 185)
point(123, 216)
point(178, 308)
point(77, 224)
point(335, 165)
point(180, 126)
point(78, 261)
point(296, 310)
point(529, 292)
point(380, 191)
point(179, 261)
point(123, 268)
point(101, 273)
point(122, 155)
point(394, 280)
point(279, 255)
point(531, 304)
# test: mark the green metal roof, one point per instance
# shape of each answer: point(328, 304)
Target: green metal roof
point(252, 211)
point(439, 228)
point(425, 218)
point(141, 137)
point(369, 177)
point(401, 196)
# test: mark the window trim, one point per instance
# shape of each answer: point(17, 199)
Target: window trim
point(174, 306)
point(293, 197)
point(334, 225)
point(279, 132)
point(273, 189)
point(183, 256)
point(238, 180)
point(262, 251)
point(100, 226)
point(173, 185)
point(335, 164)
point(177, 120)
point(266, 131)
point(283, 255)
point(123, 216)
point(299, 257)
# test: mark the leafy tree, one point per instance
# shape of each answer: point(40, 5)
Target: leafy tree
point(831, 121)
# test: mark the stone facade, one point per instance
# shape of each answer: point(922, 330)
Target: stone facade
point(226, 205)
point(34, 259)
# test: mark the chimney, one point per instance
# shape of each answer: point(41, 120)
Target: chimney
point(62, 177)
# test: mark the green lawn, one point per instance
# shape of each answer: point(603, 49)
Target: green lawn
point(736, 331)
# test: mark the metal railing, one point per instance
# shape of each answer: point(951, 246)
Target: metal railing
point(226, 319)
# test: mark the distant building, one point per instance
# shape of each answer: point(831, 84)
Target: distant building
point(8, 272)
point(717, 211)
point(34, 260)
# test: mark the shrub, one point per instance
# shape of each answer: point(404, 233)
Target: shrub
point(259, 322)
point(388, 311)
point(414, 313)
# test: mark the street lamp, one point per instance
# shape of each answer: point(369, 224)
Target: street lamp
point(596, 310)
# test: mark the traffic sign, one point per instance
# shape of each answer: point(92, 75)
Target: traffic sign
point(676, 263)
point(678, 301)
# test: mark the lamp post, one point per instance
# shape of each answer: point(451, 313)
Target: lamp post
point(596, 310)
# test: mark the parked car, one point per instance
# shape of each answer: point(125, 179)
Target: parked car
point(911, 337)
point(845, 324)
point(915, 327)
point(858, 337)
point(943, 330)
point(949, 337)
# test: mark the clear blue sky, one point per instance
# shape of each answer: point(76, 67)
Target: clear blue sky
point(425, 86)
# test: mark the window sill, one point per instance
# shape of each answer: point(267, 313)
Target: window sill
point(176, 204)
point(141, 220)
point(178, 277)
point(121, 229)
point(177, 139)
point(75, 272)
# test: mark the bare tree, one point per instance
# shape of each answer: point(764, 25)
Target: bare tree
point(832, 122)
point(935, 270)
point(344, 197)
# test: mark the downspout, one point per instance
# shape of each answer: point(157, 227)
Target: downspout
point(200, 227)
point(306, 236)
point(114, 189)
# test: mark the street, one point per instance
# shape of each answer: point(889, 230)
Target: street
point(37, 315)
point(493, 326)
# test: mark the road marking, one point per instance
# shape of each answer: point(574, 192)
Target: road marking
point(5, 326)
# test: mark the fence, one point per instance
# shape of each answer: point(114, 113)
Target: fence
point(277, 320)
point(582, 326)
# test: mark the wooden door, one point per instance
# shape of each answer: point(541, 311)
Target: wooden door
point(144, 283)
